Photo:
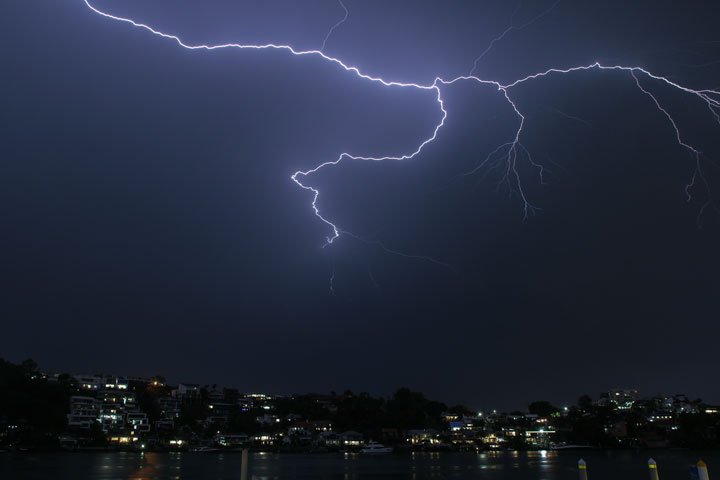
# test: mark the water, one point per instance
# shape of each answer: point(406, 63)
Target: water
point(610, 465)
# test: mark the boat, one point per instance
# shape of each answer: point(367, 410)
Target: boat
point(570, 447)
point(205, 449)
point(374, 447)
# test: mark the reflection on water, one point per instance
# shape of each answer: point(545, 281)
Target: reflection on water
point(540, 465)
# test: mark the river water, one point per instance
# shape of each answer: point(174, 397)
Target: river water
point(602, 465)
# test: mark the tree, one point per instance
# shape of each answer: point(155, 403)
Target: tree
point(459, 410)
point(585, 403)
point(97, 436)
point(542, 408)
point(29, 366)
point(147, 404)
point(242, 422)
point(409, 410)
point(33, 402)
point(361, 412)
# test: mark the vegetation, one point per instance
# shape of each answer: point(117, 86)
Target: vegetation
point(34, 408)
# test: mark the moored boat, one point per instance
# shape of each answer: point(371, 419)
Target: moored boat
point(570, 447)
point(374, 447)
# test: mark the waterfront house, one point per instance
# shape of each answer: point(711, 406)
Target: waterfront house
point(351, 439)
point(84, 412)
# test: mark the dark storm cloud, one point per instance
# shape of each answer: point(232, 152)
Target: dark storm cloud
point(151, 226)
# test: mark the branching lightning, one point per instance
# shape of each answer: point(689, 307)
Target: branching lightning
point(327, 37)
point(382, 246)
point(569, 116)
point(332, 279)
point(509, 154)
point(509, 29)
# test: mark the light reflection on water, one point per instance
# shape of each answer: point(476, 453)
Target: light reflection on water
point(540, 465)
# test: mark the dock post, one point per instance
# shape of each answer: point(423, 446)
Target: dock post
point(702, 471)
point(582, 469)
point(244, 465)
point(652, 465)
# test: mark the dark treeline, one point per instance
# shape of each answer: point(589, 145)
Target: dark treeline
point(34, 411)
point(404, 410)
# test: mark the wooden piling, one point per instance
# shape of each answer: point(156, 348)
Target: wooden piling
point(244, 465)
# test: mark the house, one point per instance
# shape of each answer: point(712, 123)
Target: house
point(89, 382)
point(268, 419)
point(428, 436)
point(169, 408)
point(321, 425)
point(264, 439)
point(187, 391)
point(539, 438)
point(116, 383)
point(83, 412)
point(456, 426)
point(137, 422)
point(302, 431)
point(123, 439)
point(164, 425)
point(329, 439)
point(351, 439)
point(622, 399)
point(232, 440)
point(113, 406)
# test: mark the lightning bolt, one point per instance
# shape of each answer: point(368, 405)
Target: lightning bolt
point(332, 29)
point(511, 28)
point(332, 279)
point(569, 116)
point(506, 156)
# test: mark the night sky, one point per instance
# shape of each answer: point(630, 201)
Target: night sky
point(150, 225)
